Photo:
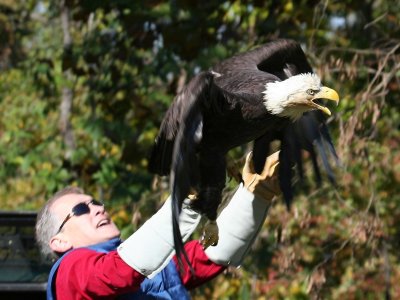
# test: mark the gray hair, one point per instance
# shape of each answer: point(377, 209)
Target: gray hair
point(47, 223)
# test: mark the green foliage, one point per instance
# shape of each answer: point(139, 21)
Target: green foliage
point(125, 63)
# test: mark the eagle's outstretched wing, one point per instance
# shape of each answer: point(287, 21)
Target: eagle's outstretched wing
point(161, 155)
point(174, 150)
point(309, 133)
point(281, 58)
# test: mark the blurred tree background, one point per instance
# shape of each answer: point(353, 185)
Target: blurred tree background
point(84, 86)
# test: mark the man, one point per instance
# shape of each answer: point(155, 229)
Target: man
point(95, 263)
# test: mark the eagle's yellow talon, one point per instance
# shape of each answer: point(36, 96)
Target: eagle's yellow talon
point(210, 235)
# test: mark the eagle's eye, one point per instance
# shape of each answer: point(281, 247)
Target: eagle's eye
point(311, 92)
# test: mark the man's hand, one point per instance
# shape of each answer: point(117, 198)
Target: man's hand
point(266, 184)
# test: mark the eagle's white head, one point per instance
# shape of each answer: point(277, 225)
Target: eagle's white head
point(296, 95)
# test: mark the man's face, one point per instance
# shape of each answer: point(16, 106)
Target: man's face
point(87, 229)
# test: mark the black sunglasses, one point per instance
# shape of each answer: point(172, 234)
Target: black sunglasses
point(79, 210)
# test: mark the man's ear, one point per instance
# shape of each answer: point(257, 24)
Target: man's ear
point(60, 244)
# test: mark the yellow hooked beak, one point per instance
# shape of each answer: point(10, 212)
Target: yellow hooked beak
point(325, 93)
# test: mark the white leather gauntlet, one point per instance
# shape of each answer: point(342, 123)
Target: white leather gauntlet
point(239, 224)
point(151, 247)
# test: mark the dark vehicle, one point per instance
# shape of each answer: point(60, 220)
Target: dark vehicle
point(23, 273)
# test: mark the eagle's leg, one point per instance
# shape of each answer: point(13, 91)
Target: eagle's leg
point(206, 203)
point(210, 235)
point(212, 174)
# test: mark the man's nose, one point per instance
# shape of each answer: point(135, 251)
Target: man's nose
point(97, 209)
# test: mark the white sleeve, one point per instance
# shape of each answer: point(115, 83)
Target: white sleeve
point(239, 224)
point(151, 247)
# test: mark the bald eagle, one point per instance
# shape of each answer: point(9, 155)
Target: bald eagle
point(266, 94)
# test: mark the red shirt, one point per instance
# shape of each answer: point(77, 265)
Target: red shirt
point(88, 274)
